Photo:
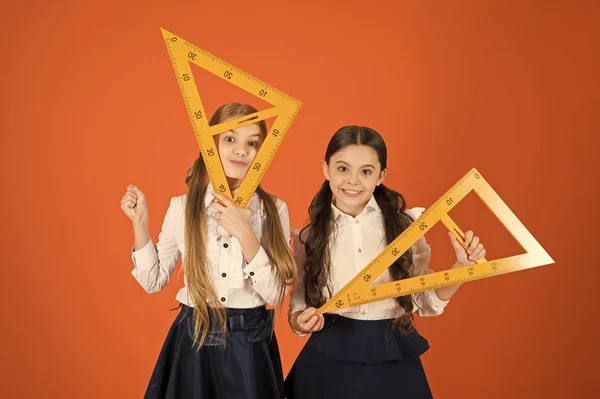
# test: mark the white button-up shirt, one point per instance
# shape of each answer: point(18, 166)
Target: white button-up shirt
point(237, 284)
point(354, 243)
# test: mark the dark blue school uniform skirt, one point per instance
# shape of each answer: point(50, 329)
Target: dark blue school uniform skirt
point(247, 367)
point(359, 359)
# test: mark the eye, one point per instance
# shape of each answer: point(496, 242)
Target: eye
point(253, 143)
point(343, 169)
point(228, 139)
point(366, 172)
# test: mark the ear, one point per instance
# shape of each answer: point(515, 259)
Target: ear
point(326, 170)
point(381, 176)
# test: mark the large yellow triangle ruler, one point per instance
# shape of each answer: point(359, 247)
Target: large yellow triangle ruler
point(285, 108)
point(359, 290)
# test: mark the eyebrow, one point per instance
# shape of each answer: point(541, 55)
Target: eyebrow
point(363, 166)
point(254, 135)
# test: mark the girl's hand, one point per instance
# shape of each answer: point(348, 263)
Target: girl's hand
point(134, 204)
point(307, 321)
point(235, 220)
point(474, 251)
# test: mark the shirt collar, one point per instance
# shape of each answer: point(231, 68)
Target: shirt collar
point(372, 205)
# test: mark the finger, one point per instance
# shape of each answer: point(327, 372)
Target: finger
point(130, 195)
point(455, 243)
point(468, 238)
point(482, 254)
point(127, 202)
point(310, 324)
point(218, 207)
point(136, 191)
point(307, 314)
point(477, 253)
point(223, 199)
point(320, 324)
point(473, 245)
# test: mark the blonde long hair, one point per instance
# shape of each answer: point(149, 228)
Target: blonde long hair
point(195, 265)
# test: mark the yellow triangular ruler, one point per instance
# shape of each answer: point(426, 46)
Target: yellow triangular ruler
point(359, 291)
point(285, 108)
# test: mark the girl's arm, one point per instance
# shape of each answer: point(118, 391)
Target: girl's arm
point(433, 302)
point(427, 303)
point(445, 293)
point(464, 257)
point(259, 269)
point(153, 265)
point(302, 320)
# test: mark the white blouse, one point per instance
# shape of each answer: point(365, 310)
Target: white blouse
point(355, 243)
point(237, 284)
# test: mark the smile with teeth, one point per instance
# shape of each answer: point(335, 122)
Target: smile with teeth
point(351, 193)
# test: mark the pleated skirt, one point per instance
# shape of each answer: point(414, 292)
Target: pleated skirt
point(359, 359)
point(247, 367)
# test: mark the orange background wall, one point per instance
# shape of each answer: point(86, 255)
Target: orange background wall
point(90, 104)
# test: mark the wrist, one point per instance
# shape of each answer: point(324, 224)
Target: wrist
point(140, 224)
point(246, 234)
point(458, 264)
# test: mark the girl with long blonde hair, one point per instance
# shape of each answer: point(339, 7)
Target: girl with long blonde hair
point(235, 262)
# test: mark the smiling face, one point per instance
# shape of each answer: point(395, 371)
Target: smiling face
point(353, 173)
point(237, 149)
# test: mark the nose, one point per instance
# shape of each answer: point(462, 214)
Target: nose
point(353, 179)
point(240, 150)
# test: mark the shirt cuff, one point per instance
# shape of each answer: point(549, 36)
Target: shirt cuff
point(261, 259)
point(437, 303)
point(298, 333)
point(144, 256)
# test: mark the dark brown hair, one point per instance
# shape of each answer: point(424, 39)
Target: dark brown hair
point(316, 235)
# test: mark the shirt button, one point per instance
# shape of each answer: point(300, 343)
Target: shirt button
point(356, 221)
point(252, 273)
point(359, 250)
point(363, 313)
point(225, 245)
point(223, 299)
point(224, 275)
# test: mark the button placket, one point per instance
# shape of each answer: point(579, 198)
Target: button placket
point(231, 260)
point(357, 237)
